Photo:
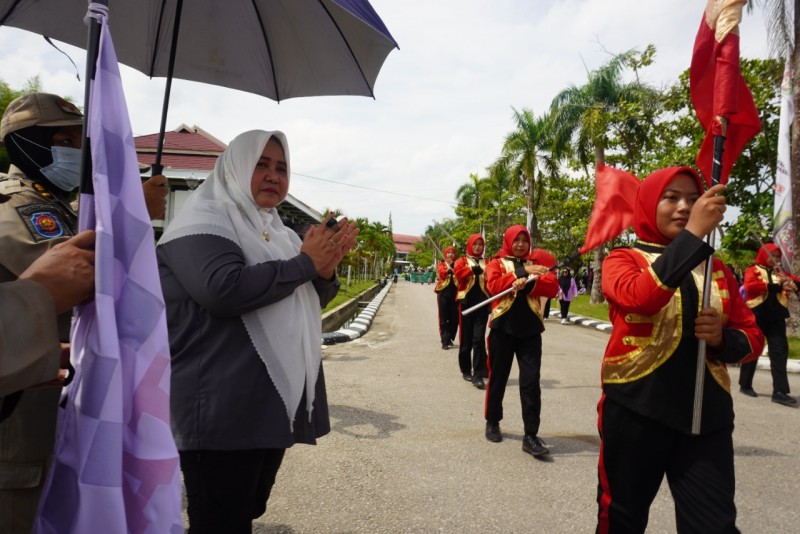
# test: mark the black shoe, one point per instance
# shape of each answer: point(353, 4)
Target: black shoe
point(750, 392)
point(450, 343)
point(783, 398)
point(534, 446)
point(467, 377)
point(493, 432)
point(445, 346)
point(477, 381)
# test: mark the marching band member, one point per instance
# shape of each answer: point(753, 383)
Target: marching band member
point(446, 289)
point(472, 291)
point(768, 290)
point(516, 328)
point(654, 290)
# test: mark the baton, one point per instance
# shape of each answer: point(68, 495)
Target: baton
point(511, 289)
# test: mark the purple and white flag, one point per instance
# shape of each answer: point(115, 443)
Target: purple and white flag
point(115, 466)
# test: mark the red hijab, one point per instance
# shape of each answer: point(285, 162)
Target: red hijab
point(648, 197)
point(763, 255)
point(471, 241)
point(455, 253)
point(508, 240)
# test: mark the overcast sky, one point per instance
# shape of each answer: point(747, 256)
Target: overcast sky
point(443, 100)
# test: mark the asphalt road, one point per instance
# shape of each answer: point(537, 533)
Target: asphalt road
point(407, 452)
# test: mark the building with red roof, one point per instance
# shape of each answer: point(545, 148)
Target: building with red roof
point(404, 244)
point(188, 157)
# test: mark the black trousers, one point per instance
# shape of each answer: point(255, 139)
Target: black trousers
point(226, 490)
point(636, 453)
point(472, 341)
point(546, 312)
point(564, 308)
point(775, 332)
point(448, 317)
point(502, 348)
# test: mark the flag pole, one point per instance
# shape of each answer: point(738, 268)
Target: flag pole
point(702, 346)
point(92, 50)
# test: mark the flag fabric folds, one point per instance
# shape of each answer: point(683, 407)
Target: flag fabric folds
point(612, 212)
point(782, 215)
point(115, 467)
point(718, 88)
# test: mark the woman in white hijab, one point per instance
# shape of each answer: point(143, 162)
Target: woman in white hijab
point(243, 296)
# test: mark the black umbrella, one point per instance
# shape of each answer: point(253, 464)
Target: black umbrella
point(275, 48)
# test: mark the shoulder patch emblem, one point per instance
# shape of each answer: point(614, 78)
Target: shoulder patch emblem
point(44, 221)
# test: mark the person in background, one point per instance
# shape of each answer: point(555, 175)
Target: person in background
point(516, 329)
point(468, 270)
point(446, 289)
point(566, 292)
point(546, 312)
point(244, 298)
point(767, 288)
point(648, 373)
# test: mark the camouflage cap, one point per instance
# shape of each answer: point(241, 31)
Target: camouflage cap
point(39, 109)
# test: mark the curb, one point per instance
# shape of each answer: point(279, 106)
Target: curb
point(359, 326)
point(792, 366)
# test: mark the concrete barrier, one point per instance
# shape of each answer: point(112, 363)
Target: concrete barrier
point(360, 324)
point(332, 319)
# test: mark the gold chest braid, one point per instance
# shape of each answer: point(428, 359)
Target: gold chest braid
point(649, 341)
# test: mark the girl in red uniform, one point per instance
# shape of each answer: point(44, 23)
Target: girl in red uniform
point(654, 291)
point(472, 291)
point(768, 288)
point(516, 328)
point(446, 289)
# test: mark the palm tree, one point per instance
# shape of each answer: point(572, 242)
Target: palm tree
point(583, 117)
point(472, 200)
point(527, 154)
point(499, 195)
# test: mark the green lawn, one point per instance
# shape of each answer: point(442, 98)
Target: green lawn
point(347, 293)
point(580, 305)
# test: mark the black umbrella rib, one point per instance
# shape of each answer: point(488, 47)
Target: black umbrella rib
point(9, 12)
point(269, 49)
point(352, 55)
point(158, 35)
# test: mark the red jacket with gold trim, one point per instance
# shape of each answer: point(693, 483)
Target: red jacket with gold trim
point(468, 271)
point(500, 275)
point(650, 362)
point(446, 277)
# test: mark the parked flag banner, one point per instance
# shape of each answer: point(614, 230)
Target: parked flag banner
point(718, 88)
point(782, 216)
point(115, 467)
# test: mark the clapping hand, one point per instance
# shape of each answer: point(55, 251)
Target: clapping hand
point(326, 245)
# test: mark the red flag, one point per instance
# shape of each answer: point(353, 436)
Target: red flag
point(613, 206)
point(718, 88)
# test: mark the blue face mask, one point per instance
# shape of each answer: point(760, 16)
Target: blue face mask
point(65, 171)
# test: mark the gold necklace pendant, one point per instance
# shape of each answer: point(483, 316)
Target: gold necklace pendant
point(266, 235)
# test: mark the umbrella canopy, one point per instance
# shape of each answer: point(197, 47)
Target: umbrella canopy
point(275, 48)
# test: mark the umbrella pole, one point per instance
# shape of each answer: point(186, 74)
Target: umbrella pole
point(92, 51)
point(157, 168)
point(700, 372)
